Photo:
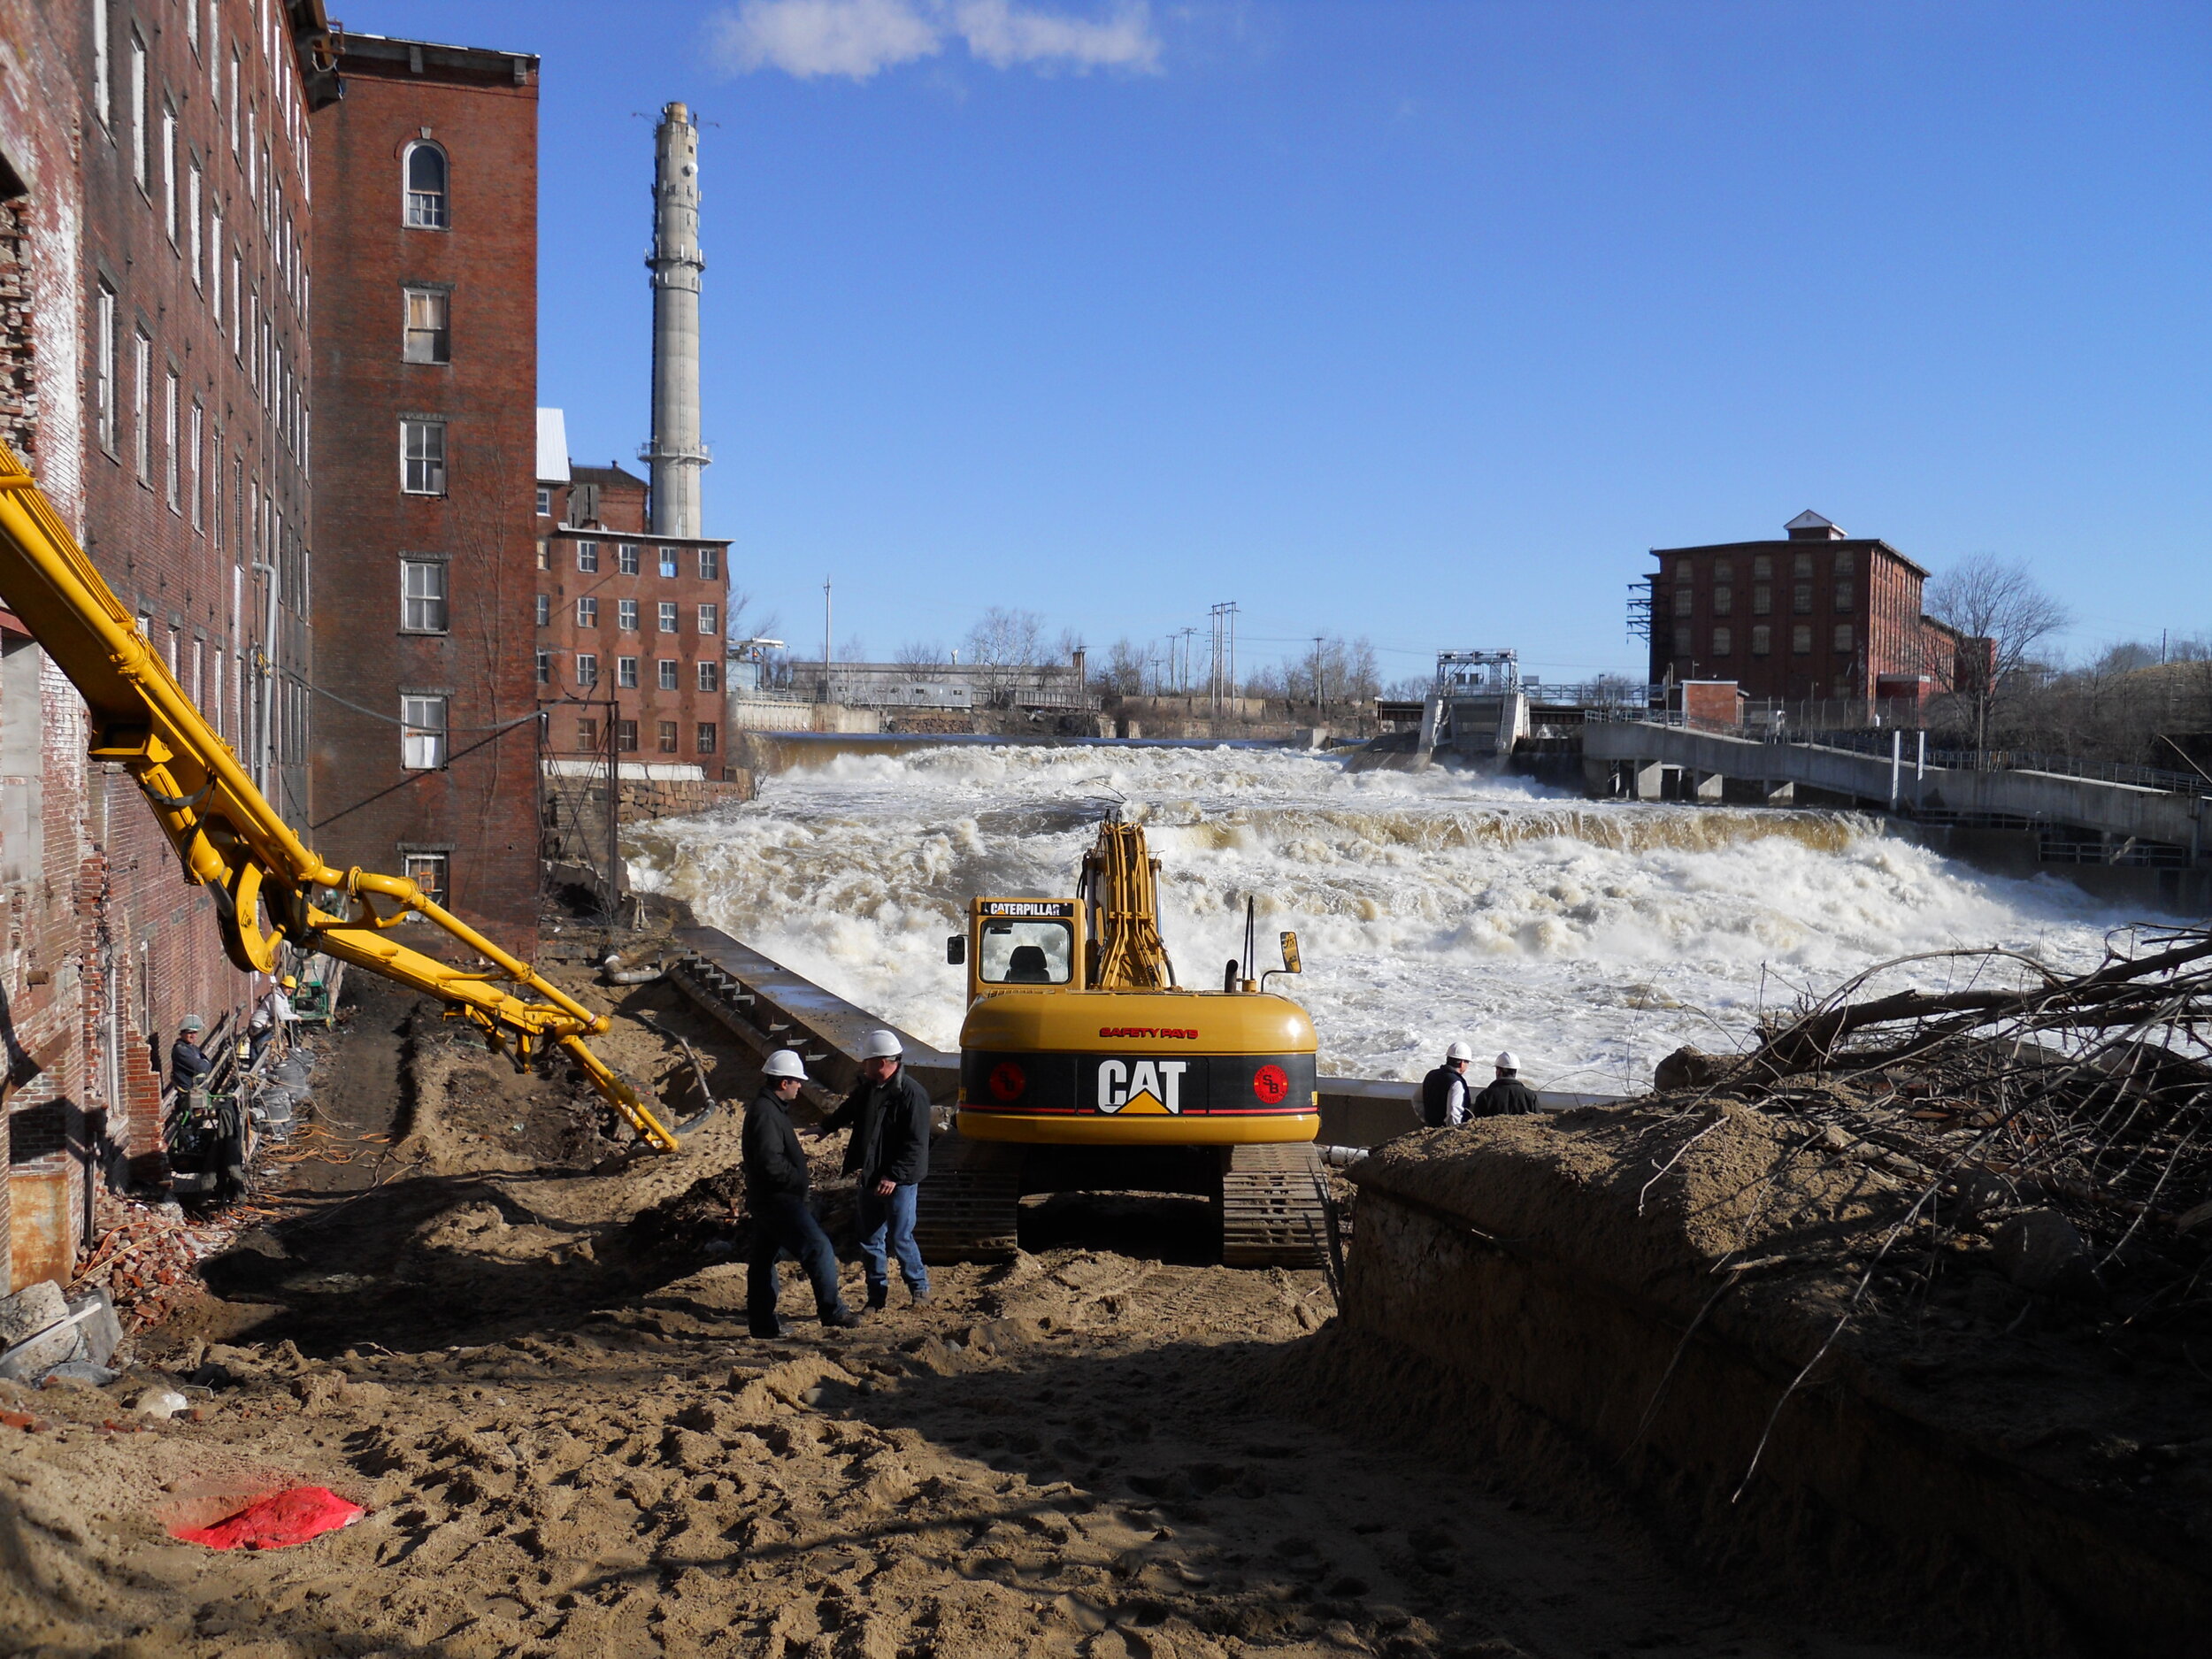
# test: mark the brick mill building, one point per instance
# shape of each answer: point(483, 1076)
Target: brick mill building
point(426, 344)
point(1815, 615)
point(630, 626)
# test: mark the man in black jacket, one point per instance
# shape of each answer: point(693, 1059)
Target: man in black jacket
point(1508, 1096)
point(888, 1114)
point(1445, 1092)
point(776, 1192)
point(189, 1066)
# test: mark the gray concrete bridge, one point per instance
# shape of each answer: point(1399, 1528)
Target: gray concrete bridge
point(1632, 757)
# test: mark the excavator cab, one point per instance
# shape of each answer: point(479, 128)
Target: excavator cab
point(1020, 944)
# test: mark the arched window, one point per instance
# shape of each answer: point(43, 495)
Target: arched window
point(426, 187)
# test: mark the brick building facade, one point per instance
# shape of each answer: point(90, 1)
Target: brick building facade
point(425, 345)
point(1815, 616)
point(629, 619)
point(154, 291)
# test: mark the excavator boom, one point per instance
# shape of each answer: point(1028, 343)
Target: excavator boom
point(269, 887)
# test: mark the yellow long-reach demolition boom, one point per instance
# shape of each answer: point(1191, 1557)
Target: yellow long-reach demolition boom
point(231, 842)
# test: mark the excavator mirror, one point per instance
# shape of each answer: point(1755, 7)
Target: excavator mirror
point(956, 950)
point(1290, 954)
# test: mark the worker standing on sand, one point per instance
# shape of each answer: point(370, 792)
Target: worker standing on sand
point(1508, 1096)
point(187, 1066)
point(888, 1114)
point(1444, 1092)
point(776, 1194)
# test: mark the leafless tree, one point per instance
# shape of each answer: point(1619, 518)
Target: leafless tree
point(919, 654)
point(1125, 671)
point(1986, 597)
point(1003, 641)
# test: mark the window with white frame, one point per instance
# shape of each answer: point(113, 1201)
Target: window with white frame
point(545, 610)
point(545, 668)
point(169, 401)
point(103, 76)
point(142, 397)
point(426, 187)
point(422, 732)
point(235, 102)
point(194, 183)
point(711, 620)
point(708, 733)
point(587, 612)
point(665, 673)
point(422, 596)
point(710, 563)
point(169, 171)
point(587, 668)
point(587, 557)
point(666, 737)
point(422, 457)
point(430, 873)
point(426, 337)
point(668, 561)
point(103, 366)
point(136, 92)
point(625, 615)
point(196, 433)
point(545, 505)
point(626, 673)
point(668, 616)
point(709, 675)
point(625, 558)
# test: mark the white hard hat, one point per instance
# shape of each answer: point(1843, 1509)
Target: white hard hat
point(1509, 1061)
point(880, 1045)
point(1459, 1051)
point(784, 1062)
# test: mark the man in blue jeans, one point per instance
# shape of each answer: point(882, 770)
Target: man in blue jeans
point(776, 1195)
point(888, 1114)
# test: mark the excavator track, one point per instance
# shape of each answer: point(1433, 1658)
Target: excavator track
point(1272, 1213)
point(969, 1209)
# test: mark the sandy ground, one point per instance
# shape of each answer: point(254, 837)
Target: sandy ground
point(567, 1444)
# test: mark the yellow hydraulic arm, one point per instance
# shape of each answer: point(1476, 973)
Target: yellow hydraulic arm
point(1120, 883)
point(264, 881)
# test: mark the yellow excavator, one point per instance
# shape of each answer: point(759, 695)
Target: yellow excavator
point(1084, 1066)
point(270, 889)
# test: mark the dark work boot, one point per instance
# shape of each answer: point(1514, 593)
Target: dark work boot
point(768, 1330)
point(840, 1316)
point(878, 1298)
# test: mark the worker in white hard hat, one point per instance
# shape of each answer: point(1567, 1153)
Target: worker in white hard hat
point(1508, 1097)
point(272, 1015)
point(888, 1114)
point(776, 1196)
point(1445, 1092)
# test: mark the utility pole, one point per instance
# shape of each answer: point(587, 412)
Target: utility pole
point(1320, 699)
point(826, 640)
point(1223, 620)
point(614, 825)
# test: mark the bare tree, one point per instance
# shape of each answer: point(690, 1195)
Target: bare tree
point(919, 654)
point(1004, 640)
point(1124, 675)
point(746, 624)
point(1987, 598)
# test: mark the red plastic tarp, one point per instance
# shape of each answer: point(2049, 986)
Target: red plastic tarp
point(276, 1521)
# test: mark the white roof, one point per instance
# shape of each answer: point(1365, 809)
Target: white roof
point(552, 447)
point(1807, 521)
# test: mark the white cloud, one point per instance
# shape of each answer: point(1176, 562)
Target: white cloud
point(859, 38)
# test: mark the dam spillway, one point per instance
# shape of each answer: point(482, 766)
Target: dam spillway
point(1592, 937)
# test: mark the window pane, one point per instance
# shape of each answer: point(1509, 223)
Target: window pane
point(545, 668)
point(1722, 641)
point(423, 596)
point(422, 452)
point(626, 673)
point(625, 736)
point(710, 563)
point(626, 614)
point(668, 616)
point(587, 669)
point(668, 737)
point(422, 740)
point(588, 556)
point(1801, 640)
point(710, 676)
point(1026, 953)
point(626, 559)
point(706, 737)
point(545, 610)
point(667, 672)
point(426, 188)
point(426, 337)
point(668, 561)
point(428, 872)
point(587, 612)
point(545, 505)
point(1843, 637)
point(711, 620)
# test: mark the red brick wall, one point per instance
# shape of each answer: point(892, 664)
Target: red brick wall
point(482, 109)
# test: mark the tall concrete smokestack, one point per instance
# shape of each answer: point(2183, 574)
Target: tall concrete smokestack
point(676, 453)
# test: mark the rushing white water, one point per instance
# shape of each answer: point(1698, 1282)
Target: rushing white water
point(1593, 938)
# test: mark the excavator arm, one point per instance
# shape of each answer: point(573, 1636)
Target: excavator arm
point(1121, 885)
point(269, 887)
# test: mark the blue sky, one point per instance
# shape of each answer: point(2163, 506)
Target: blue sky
point(1418, 321)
